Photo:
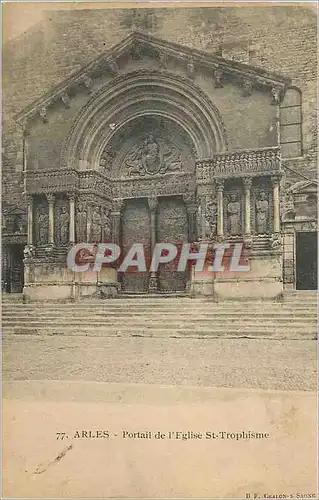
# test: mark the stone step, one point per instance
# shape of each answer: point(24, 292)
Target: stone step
point(171, 315)
point(117, 306)
point(151, 323)
point(161, 315)
point(250, 331)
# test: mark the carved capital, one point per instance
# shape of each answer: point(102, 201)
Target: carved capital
point(71, 196)
point(29, 199)
point(191, 208)
point(24, 124)
point(43, 114)
point(218, 78)
point(247, 183)
point(117, 205)
point(276, 95)
point(247, 88)
point(275, 180)
point(65, 99)
point(152, 203)
point(189, 198)
point(50, 198)
point(220, 184)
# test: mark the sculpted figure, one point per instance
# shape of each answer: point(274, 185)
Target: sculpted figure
point(43, 226)
point(233, 211)
point(64, 225)
point(211, 220)
point(81, 224)
point(96, 225)
point(106, 225)
point(150, 157)
point(262, 207)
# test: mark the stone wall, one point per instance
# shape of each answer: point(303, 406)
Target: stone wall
point(276, 38)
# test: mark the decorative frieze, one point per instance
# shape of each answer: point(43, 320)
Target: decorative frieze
point(266, 161)
point(53, 181)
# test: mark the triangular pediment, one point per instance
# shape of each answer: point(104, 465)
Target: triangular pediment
point(139, 45)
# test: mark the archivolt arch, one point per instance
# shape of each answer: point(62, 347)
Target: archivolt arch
point(142, 93)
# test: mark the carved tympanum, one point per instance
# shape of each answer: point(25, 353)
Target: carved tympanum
point(153, 156)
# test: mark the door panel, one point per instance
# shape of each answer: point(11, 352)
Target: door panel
point(135, 229)
point(172, 227)
point(306, 260)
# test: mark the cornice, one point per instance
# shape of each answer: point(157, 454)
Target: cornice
point(249, 77)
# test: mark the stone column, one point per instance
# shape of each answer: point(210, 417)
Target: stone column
point(30, 219)
point(50, 198)
point(220, 207)
point(88, 222)
point(152, 203)
point(72, 218)
point(247, 186)
point(275, 183)
point(116, 220)
point(189, 200)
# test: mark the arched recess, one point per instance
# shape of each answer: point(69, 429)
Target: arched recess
point(143, 93)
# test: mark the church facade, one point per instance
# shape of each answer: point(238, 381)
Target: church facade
point(158, 141)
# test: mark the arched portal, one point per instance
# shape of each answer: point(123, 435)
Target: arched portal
point(142, 134)
point(143, 93)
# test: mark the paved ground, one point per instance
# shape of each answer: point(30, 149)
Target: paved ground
point(228, 363)
point(137, 385)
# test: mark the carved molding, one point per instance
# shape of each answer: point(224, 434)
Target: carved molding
point(218, 78)
point(152, 203)
point(275, 83)
point(257, 162)
point(65, 98)
point(247, 88)
point(200, 110)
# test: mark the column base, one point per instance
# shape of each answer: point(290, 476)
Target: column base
point(153, 284)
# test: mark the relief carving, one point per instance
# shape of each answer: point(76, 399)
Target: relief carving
point(64, 221)
point(210, 220)
point(96, 225)
point(262, 213)
point(43, 226)
point(81, 221)
point(234, 214)
point(106, 225)
point(107, 158)
point(153, 156)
